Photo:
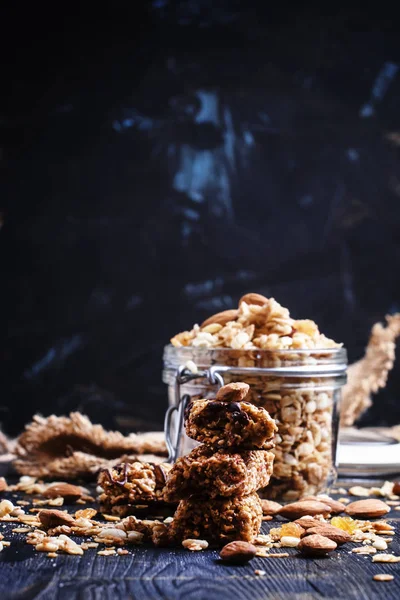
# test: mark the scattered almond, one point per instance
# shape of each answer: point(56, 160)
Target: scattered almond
point(222, 317)
point(383, 577)
point(316, 545)
point(333, 533)
point(54, 518)
point(69, 492)
point(396, 488)
point(367, 509)
point(233, 392)
point(238, 552)
point(336, 506)
point(253, 298)
point(307, 522)
point(303, 508)
point(269, 507)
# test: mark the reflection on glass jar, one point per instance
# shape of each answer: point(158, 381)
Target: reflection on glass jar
point(301, 389)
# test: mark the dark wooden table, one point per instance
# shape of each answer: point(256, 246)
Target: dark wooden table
point(148, 573)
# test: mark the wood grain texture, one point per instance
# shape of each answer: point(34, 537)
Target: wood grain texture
point(149, 573)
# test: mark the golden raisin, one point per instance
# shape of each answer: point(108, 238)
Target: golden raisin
point(275, 533)
point(291, 529)
point(345, 523)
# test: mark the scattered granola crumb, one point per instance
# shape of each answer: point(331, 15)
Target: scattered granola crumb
point(358, 490)
point(386, 558)
point(260, 572)
point(107, 552)
point(122, 551)
point(52, 554)
point(262, 553)
point(383, 577)
point(195, 545)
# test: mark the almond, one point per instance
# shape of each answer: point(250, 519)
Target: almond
point(367, 509)
point(396, 488)
point(69, 492)
point(307, 522)
point(336, 506)
point(316, 545)
point(3, 484)
point(54, 518)
point(304, 507)
point(238, 552)
point(333, 533)
point(269, 507)
point(253, 298)
point(233, 392)
point(222, 317)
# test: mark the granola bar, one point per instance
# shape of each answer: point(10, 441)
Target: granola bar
point(217, 520)
point(129, 484)
point(229, 424)
point(220, 473)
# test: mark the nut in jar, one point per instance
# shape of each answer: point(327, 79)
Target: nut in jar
point(294, 372)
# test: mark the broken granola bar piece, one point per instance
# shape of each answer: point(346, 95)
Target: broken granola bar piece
point(230, 424)
point(217, 520)
point(221, 473)
point(128, 485)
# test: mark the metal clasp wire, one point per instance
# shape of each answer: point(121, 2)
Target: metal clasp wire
point(184, 375)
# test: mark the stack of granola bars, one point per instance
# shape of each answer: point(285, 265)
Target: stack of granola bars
point(217, 482)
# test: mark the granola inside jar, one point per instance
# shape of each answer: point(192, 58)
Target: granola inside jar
point(301, 391)
point(293, 371)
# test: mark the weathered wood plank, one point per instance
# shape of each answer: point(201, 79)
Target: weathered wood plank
point(148, 573)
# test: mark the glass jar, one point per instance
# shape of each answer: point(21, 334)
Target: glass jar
point(301, 389)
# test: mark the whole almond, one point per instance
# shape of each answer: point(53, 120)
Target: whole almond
point(304, 507)
point(269, 507)
point(66, 490)
point(367, 509)
point(307, 522)
point(238, 552)
point(3, 484)
point(396, 488)
point(233, 392)
point(333, 533)
point(253, 298)
point(336, 506)
point(54, 518)
point(316, 545)
point(222, 317)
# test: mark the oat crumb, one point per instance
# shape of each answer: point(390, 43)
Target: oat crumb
point(383, 577)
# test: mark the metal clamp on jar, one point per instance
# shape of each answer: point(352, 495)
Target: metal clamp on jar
point(301, 390)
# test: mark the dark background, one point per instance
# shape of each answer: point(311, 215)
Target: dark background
point(159, 162)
